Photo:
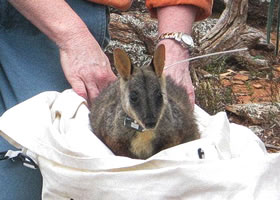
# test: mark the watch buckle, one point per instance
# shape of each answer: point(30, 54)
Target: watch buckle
point(178, 36)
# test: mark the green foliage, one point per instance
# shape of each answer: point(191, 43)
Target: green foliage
point(212, 96)
point(217, 66)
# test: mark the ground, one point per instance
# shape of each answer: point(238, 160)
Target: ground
point(227, 82)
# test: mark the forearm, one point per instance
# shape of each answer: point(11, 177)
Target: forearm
point(56, 19)
point(176, 18)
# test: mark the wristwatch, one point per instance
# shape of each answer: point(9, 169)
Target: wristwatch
point(184, 39)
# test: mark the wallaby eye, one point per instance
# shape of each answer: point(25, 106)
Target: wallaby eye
point(133, 97)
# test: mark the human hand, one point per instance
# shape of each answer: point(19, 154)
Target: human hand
point(180, 72)
point(85, 66)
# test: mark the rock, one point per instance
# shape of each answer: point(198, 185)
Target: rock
point(257, 113)
point(240, 77)
point(201, 28)
point(240, 89)
point(134, 32)
point(259, 131)
point(257, 86)
point(226, 82)
point(238, 82)
point(139, 5)
point(227, 74)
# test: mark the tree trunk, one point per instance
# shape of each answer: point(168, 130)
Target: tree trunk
point(232, 32)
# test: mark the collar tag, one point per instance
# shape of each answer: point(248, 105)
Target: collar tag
point(130, 123)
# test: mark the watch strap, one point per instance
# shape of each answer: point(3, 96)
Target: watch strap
point(178, 37)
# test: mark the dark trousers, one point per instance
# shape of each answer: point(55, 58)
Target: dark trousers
point(30, 64)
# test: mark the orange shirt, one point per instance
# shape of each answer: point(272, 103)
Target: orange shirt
point(119, 4)
point(204, 5)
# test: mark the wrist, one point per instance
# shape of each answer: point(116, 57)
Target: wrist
point(183, 39)
point(174, 49)
point(174, 53)
point(79, 37)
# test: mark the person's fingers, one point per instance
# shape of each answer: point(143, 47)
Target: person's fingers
point(190, 89)
point(96, 80)
point(191, 94)
point(103, 77)
point(93, 92)
point(79, 87)
point(181, 75)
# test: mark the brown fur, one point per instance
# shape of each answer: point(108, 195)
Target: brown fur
point(162, 107)
point(142, 145)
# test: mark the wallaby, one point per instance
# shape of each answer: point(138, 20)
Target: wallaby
point(143, 112)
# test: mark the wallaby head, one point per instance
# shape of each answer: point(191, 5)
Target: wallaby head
point(143, 91)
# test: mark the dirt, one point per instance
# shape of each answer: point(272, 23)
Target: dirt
point(261, 90)
point(257, 86)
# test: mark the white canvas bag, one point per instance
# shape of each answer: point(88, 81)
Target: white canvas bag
point(53, 129)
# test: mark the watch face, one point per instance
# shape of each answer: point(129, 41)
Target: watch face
point(188, 40)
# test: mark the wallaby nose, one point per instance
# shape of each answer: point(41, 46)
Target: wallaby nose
point(150, 120)
point(150, 124)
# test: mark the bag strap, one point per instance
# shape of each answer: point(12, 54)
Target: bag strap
point(18, 156)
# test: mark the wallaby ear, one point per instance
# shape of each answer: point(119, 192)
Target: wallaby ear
point(122, 63)
point(158, 60)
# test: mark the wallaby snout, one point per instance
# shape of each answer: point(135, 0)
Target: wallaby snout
point(150, 121)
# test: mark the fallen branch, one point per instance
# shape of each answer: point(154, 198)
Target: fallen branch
point(271, 146)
